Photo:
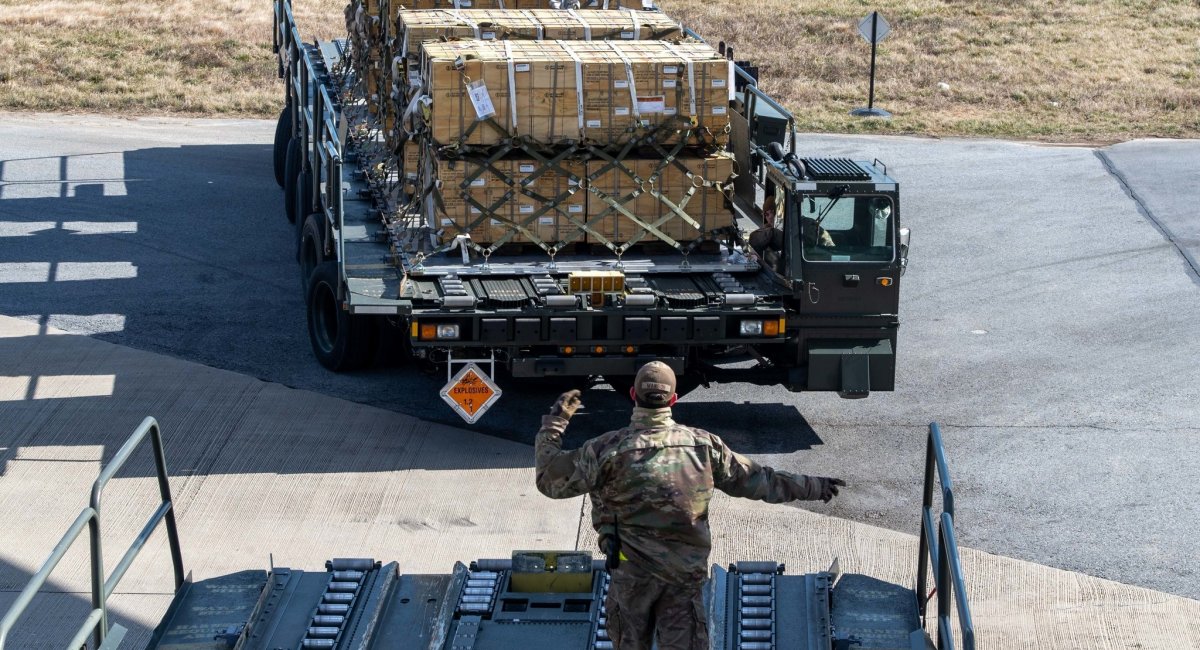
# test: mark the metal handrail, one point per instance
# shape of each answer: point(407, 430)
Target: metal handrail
point(942, 557)
point(97, 620)
point(950, 573)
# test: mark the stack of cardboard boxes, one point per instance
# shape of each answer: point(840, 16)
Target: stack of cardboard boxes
point(483, 81)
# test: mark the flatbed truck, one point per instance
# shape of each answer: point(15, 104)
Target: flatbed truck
point(808, 315)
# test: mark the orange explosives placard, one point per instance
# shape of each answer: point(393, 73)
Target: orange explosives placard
point(471, 393)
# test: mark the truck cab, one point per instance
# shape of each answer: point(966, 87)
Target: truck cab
point(828, 229)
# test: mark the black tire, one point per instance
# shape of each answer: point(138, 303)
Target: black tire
point(283, 135)
point(304, 205)
point(341, 342)
point(291, 172)
point(312, 246)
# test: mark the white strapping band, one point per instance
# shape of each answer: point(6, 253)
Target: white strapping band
point(466, 21)
point(512, 83)
point(691, 69)
point(587, 29)
point(637, 115)
point(578, 81)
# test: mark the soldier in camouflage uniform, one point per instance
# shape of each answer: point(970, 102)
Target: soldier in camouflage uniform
point(650, 485)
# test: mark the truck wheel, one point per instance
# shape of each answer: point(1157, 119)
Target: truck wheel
point(283, 135)
point(340, 341)
point(290, 172)
point(304, 206)
point(312, 246)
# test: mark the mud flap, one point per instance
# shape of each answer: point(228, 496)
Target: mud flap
point(852, 367)
point(856, 376)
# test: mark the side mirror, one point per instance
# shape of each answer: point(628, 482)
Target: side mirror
point(905, 237)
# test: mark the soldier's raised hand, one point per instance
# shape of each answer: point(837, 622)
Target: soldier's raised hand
point(567, 404)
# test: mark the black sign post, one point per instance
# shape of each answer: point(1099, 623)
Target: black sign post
point(874, 29)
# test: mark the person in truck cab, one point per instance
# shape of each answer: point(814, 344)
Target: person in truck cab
point(650, 484)
point(767, 241)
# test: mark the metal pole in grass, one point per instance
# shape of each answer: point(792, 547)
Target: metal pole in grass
point(873, 28)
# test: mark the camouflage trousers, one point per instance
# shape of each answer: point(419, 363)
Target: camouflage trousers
point(641, 606)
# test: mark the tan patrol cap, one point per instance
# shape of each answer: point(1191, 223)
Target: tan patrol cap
point(655, 384)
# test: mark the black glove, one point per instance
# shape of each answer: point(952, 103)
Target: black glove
point(612, 551)
point(829, 487)
point(566, 405)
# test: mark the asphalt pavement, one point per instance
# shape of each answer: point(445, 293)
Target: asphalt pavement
point(1048, 318)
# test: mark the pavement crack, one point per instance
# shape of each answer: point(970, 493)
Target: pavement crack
point(1050, 425)
point(1148, 213)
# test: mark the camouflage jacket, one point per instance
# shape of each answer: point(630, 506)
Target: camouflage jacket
point(651, 483)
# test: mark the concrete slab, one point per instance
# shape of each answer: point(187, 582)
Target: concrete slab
point(1045, 320)
point(261, 471)
point(1160, 175)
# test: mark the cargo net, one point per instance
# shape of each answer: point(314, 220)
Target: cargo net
point(519, 197)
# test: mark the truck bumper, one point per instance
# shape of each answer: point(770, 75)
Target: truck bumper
point(582, 366)
point(852, 367)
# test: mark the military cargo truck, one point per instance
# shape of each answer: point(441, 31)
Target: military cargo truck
point(571, 194)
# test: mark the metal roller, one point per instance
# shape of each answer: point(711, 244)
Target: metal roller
point(756, 612)
point(756, 600)
point(481, 583)
point(350, 564)
point(478, 591)
point(477, 598)
point(323, 632)
point(757, 645)
point(756, 635)
point(343, 587)
point(331, 620)
point(748, 590)
point(602, 635)
point(492, 565)
point(604, 645)
point(326, 608)
point(348, 576)
point(485, 575)
point(317, 643)
point(757, 579)
point(757, 567)
point(756, 623)
point(333, 609)
point(474, 607)
point(338, 598)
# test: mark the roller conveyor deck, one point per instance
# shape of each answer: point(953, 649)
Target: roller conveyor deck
point(363, 604)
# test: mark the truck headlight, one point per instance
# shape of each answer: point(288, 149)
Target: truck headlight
point(750, 328)
point(447, 330)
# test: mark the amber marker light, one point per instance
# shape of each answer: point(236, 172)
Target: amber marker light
point(771, 328)
point(567, 350)
point(599, 349)
point(630, 349)
point(416, 329)
point(884, 282)
point(428, 331)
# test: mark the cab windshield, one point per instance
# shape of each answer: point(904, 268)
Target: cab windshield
point(847, 229)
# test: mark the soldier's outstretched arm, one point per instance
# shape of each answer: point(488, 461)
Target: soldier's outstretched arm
point(561, 474)
point(739, 476)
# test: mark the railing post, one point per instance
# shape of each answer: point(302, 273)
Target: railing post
point(164, 492)
point(97, 552)
point(926, 505)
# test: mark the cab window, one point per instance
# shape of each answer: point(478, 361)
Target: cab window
point(847, 229)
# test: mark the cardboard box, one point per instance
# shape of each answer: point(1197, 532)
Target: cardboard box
point(416, 27)
point(532, 88)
